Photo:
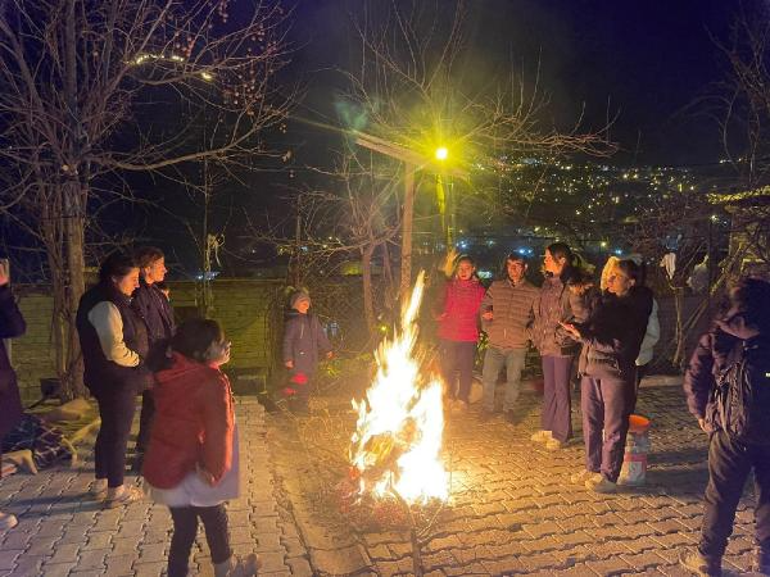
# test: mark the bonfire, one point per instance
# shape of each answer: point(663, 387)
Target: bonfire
point(396, 449)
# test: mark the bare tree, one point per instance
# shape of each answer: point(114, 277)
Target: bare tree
point(408, 87)
point(351, 216)
point(740, 103)
point(88, 88)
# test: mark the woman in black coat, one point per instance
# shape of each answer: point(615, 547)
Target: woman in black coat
point(12, 325)
point(611, 340)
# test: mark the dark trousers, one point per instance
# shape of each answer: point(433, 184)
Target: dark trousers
point(145, 422)
point(186, 528)
point(116, 409)
point(641, 371)
point(606, 405)
point(457, 359)
point(730, 463)
point(557, 402)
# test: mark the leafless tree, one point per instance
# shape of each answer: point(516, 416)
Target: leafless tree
point(740, 103)
point(409, 87)
point(350, 217)
point(88, 88)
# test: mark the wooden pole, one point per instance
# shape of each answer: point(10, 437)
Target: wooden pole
point(406, 231)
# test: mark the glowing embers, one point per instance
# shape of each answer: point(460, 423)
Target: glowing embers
point(396, 448)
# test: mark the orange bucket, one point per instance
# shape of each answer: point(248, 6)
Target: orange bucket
point(638, 424)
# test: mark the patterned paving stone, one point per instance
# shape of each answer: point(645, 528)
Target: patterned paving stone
point(63, 533)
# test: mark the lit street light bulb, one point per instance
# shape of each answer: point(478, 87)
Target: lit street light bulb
point(442, 153)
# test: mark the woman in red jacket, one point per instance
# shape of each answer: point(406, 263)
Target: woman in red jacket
point(191, 464)
point(459, 330)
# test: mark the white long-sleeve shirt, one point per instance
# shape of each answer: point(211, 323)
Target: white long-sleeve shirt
point(651, 337)
point(105, 318)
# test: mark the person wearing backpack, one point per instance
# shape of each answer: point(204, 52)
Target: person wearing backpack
point(727, 385)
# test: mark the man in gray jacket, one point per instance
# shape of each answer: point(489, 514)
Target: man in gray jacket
point(505, 312)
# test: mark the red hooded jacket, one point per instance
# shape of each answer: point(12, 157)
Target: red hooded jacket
point(193, 424)
point(459, 320)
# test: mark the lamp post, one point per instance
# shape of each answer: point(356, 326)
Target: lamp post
point(412, 162)
point(444, 197)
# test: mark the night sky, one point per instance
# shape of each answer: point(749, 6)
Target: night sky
point(643, 60)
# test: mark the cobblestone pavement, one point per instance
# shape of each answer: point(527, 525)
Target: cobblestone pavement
point(62, 533)
point(513, 509)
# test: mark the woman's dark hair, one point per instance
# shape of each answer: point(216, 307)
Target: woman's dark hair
point(117, 264)
point(632, 270)
point(561, 250)
point(194, 337)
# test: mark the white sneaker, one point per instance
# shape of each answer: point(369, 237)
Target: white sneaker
point(601, 485)
point(541, 437)
point(554, 444)
point(7, 521)
point(98, 489)
point(583, 476)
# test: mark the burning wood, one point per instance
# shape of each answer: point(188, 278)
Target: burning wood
point(396, 447)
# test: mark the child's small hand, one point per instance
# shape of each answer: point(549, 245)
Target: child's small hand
point(205, 476)
point(289, 364)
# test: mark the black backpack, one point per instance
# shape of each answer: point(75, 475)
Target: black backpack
point(741, 398)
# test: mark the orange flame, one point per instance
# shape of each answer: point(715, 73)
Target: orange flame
point(397, 444)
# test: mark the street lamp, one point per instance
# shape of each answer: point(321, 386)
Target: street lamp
point(443, 197)
point(413, 160)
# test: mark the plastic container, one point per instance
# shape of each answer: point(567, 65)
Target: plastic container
point(634, 470)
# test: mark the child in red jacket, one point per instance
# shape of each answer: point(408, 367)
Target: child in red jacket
point(191, 465)
point(459, 330)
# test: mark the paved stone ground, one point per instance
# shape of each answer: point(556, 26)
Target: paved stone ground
point(62, 533)
point(512, 510)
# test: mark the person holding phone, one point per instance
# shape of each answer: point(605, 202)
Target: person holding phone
point(12, 325)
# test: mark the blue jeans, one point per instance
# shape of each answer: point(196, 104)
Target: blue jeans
point(494, 360)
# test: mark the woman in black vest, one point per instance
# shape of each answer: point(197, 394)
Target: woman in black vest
point(114, 344)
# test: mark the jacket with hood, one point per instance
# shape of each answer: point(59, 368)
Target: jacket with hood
point(459, 319)
point(304, 342)
point(194, 423)
point(712, 357)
